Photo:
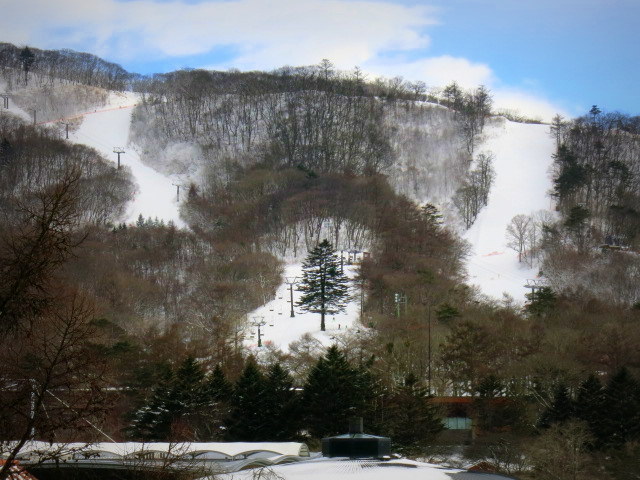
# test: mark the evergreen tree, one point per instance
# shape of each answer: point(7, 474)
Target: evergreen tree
point(589, 405)
point(152, 421)
point(540, 303)
point(281, 406)
point(410, 419)
point(561, 409)
point(217, 391)
point(178, 398)
point(324, 287)
point(246, 419)
point(335, 392)
point(621, 414)
point(217, 387)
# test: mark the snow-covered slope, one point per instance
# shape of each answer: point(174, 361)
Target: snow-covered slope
point(522, 160)
point(281, 329)
point(107, 128)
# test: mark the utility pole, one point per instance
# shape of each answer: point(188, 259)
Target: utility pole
point(34, 116)
point(399, 299)
point(291, 281)
point(66, 129)
point(425, 299)
point(119, 151)
point(5, 100)
point(429, 350)
point(361, 299)
point(259, 322)
point(177, 191)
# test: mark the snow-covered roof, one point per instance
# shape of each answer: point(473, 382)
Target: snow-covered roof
point(345, 469)
point(202, 450)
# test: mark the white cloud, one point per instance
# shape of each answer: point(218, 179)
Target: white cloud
point(529, 104)
point(264, 33)
point(261, 34)
point(437, 71)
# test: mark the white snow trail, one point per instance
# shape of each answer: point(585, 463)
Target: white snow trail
point(104, 129)
point(522, 159)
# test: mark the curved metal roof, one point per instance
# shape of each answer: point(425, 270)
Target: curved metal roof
point(219, 450)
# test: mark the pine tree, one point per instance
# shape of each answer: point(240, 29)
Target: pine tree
point(541, 302)
point(561, 409)
point(324, 287)
point(334, 392)
point(281, 405)
point(621, 414)
point(177, 398)
point(246, 419)
point(589, 405)
point(152, 421)
point(410, 419)
point(217, 392)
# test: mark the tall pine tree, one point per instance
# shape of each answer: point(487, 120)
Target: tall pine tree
point(281, 405)
point(217, 392)
point(247, 417)
point(324, 286)
point(410, 419)
point(562, 408)
point(589, 406)
point(621, 414)
point(334, 392)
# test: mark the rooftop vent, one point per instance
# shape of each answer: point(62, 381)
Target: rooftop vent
point(356, 444)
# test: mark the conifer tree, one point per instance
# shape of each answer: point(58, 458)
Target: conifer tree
point(281, 406)
point(152, 421)
point(621, 414)
point(246, 419)
point(217, 387)
point(589, 405)
point(324, 286)
point(178, 397)
point(561, 409)
point(334, 392)
point(410, 420)
point(217, 391)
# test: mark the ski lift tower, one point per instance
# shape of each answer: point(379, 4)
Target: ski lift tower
point(5, 100)
point(291, 281)
point(259, 322)
point(535, 284)
point(118, 151)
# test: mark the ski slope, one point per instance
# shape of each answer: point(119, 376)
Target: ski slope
point(281, 329)
point(104, 129)
point(522, 159)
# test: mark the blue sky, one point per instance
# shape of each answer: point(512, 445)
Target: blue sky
point(537, 56)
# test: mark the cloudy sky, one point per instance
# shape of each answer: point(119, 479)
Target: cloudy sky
point(537, 56)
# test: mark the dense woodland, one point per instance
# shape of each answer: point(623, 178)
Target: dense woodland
point(155, 315)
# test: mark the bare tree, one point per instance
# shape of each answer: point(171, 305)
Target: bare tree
point(518, 232)
point(51, 376)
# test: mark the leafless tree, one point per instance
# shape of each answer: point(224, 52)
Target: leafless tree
point(518, 232)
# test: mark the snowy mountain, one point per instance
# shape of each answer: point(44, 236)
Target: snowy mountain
point(522, 158)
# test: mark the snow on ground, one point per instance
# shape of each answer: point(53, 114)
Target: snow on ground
point(522, 158)
point(13, 108)
point(281, 329)
point(344, 469)
point(104, 129)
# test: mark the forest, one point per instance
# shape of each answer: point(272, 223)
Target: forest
point(139, 327)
